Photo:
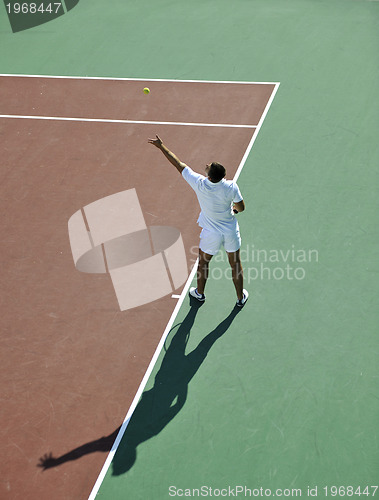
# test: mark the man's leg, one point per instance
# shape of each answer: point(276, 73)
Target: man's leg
point(202, 270)
point(237, 272)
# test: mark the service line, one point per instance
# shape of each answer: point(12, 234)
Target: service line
point(138, 122)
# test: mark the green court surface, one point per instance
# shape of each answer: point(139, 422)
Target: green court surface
point(284, 394)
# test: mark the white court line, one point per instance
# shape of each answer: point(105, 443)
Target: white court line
point(136, 79)
point(138, 122)
point(167, 330)
point(247, 152)
point(141, 388)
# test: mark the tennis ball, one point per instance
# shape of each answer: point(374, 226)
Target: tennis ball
point(146, 90)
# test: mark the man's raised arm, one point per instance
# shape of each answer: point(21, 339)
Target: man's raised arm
point(180, 166)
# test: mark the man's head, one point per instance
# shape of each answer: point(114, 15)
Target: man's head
point(215, 171)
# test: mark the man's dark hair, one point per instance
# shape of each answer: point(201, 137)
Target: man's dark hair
point(216, 172)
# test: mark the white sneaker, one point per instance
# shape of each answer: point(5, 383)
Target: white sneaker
point(196, 295)
point(242, 302)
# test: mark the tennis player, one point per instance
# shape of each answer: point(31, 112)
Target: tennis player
point(219, 201)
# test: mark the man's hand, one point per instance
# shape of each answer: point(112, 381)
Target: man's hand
point(238, 207)
point(180, 166)
point(156, 142)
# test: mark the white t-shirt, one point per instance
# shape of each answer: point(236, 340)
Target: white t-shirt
point(216, 200)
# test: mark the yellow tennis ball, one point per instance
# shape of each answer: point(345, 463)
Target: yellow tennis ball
point(146, 90)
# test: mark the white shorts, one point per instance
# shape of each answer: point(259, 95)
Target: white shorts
point(212, 241)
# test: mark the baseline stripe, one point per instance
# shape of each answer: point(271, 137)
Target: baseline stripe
point(136, 79)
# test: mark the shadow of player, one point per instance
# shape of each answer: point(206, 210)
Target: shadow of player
point(158, 405)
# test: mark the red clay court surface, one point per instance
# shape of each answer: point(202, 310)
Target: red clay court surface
point(71, 361)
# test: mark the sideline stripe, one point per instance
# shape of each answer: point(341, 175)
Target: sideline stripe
point(137, 79)
point(247, 152)
point(138, 122)
point(141, 388)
